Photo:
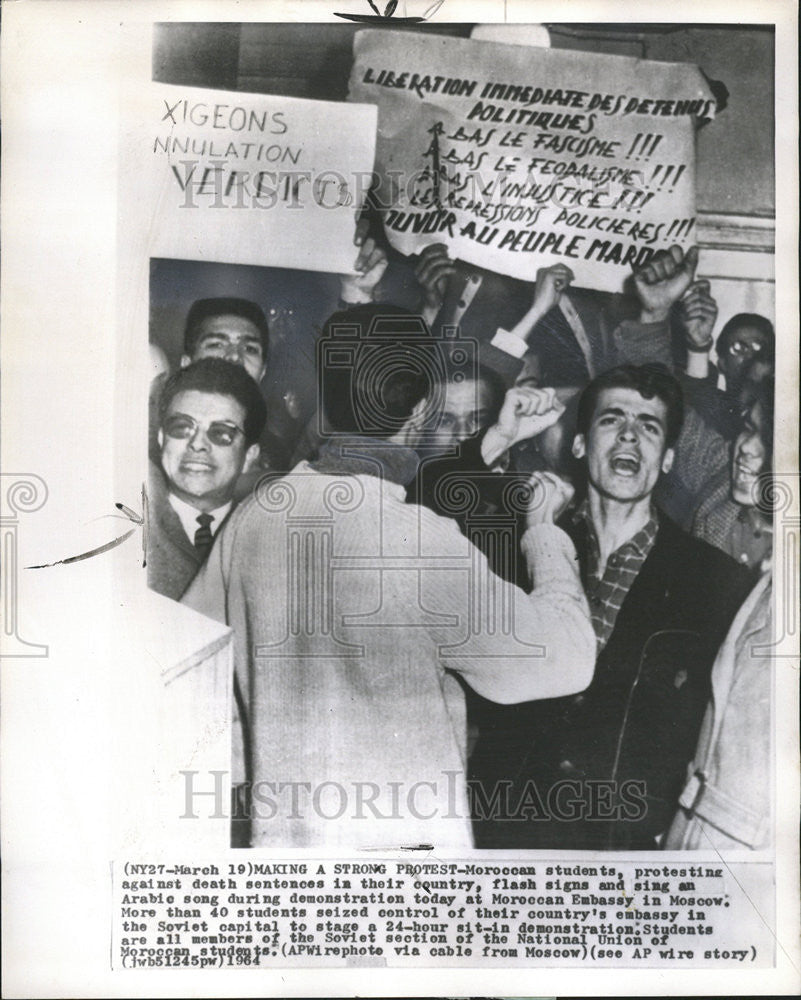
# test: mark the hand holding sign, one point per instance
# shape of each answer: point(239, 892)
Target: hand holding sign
point(433, 270)
point(663, 281)
point(370, 265)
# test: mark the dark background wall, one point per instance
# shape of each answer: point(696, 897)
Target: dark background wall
point(735, 152)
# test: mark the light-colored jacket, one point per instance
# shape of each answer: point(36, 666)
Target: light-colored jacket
point(726, 803)
point(353, 614)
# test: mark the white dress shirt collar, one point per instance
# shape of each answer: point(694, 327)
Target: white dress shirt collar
point(188, 516)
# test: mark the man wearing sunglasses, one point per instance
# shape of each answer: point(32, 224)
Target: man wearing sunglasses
point(210, 419)
point(233, 330)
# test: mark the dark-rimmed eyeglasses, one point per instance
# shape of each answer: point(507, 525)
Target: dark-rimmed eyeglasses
point(184, 428)
point(738, 347)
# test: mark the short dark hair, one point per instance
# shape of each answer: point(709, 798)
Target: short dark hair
point(758, 322)
point(222, 378)
point(374, 365)
point(649, 380)
point(206, 308)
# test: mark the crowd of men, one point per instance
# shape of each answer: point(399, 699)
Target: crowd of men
point(505, 587)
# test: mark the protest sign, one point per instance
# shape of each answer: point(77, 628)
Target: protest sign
point(106, 694)
point(242, 178)
point(518, 157)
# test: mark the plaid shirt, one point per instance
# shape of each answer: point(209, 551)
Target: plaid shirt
point(607, 593)
point(738, 531)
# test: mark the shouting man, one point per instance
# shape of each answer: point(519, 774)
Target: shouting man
point(604, 769)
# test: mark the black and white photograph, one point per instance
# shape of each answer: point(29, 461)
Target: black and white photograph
point(429, 395)
point(604, 442)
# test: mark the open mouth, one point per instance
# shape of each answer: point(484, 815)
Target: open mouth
point(743, 478)
point(625, 464)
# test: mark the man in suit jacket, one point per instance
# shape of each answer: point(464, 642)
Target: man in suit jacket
point(210, 418)
point(603, 769)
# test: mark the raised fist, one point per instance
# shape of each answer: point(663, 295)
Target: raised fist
point(551, 282)
point(663, 281)
point(550, 495)
point(526, 412)
point(699, 312)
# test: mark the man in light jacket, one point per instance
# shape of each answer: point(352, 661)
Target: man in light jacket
point(356, 616)
point(726, 803)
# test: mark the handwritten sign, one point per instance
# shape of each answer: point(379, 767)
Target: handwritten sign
point(519, 157)
point(256, 179)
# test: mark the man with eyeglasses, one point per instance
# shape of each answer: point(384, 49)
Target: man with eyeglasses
point(211, 416)
point(746, 336)
point(745, 349)
point(233, 330)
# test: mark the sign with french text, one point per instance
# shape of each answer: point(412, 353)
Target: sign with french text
point(255, 179)
point(518, 157)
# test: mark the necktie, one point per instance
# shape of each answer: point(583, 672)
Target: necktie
point(203, 536)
